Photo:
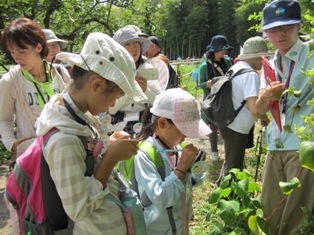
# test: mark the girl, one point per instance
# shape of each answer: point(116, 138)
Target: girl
point(102, 73)
point(173, 117)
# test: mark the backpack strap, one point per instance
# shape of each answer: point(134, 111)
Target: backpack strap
point(163, 58)
point(232, 74)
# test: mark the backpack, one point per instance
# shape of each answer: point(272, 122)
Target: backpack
point(218, 105)
point(196, 72)
point(173, 81)
point(126, 168)
point(32, 192)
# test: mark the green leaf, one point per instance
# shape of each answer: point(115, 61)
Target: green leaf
point(288, 187)
point(306, 155)
point(228, 210)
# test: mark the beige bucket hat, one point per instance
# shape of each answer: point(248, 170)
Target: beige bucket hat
point(253, 48)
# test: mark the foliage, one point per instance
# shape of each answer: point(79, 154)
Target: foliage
point(235, 206)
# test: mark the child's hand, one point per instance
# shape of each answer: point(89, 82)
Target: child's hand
point(119, 135)
point(188, 156)
point(122, 149)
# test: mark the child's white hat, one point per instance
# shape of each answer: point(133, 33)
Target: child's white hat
point(182, 108)
point(103, 55)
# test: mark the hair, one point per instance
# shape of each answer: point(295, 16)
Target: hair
point(80, 77)
point(210, 56)
point(149, 124)
point(139, 61)
point(22, 32)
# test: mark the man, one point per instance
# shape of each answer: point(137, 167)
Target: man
point(167, 77)
point(245, 86)
point(281, 24)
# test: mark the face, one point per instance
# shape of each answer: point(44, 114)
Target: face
point(170, 134)
point(151, 51)
point(27, 58)
point(283, 37)
point(100, 101)
point(220, 54)
point(54, 49)
point(134, 48)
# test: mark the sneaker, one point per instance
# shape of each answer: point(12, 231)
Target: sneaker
point(214, 156)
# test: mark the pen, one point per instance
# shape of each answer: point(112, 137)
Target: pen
point(168, 150)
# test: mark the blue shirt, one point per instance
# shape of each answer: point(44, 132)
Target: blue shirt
point(298, 53)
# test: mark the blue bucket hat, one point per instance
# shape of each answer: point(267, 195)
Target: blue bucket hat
point(281, 12)
point(218, 43)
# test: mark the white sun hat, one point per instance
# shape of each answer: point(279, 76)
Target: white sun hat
point(103, 55)
point(52, 37)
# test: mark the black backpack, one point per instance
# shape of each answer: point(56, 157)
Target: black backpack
point(173, 81)
point(218, 105)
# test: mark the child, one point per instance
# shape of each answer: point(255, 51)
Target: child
point(174, 116)
point(103, 72)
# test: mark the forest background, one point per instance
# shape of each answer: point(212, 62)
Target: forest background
point(184, 27)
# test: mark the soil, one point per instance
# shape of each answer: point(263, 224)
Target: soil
point(5, 224)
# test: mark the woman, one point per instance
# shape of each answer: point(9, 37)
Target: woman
point(26, 88)
point(217, 64)
point(126, 109)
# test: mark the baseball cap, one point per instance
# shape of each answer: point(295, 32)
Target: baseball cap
point(154, 40)
point(103, 55)
point(182, 108)
point(254, 47)
point(281, 12)
point(52, 37)
point(127, 34)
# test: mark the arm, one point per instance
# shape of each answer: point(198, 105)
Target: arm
point(204, 77)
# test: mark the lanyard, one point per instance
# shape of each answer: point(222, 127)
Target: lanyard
point(287, 83)
point(165, 145)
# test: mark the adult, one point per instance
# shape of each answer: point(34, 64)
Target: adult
point(157, 60)
point(216, 64)
point(55, 45)
point(281, 24)
point(245, 87)
point(126, 109)
point(25, 89)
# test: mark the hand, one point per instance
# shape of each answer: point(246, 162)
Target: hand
point(188, 156)
point(265, 120)
point(274, 90)
point(209, 84)
point(18, 142)
point(142, 82)
point(122, 149)
point(119, 135)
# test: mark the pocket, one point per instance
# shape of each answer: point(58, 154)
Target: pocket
point(40, 229)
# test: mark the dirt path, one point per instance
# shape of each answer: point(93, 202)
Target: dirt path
point(5, 225)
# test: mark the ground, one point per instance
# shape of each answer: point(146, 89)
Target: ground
point(201, 193)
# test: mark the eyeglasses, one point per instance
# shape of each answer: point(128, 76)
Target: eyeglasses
point(54, 46)
point(280, 28)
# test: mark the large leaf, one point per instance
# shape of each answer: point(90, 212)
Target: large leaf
point(228, 210)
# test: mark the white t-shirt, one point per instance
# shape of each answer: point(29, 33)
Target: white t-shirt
point(244, 86)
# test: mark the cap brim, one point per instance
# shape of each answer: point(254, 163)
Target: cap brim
point(280, 23)
point(254, 55)
point(198, 128)
point(63, 43)
point(107, 70)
